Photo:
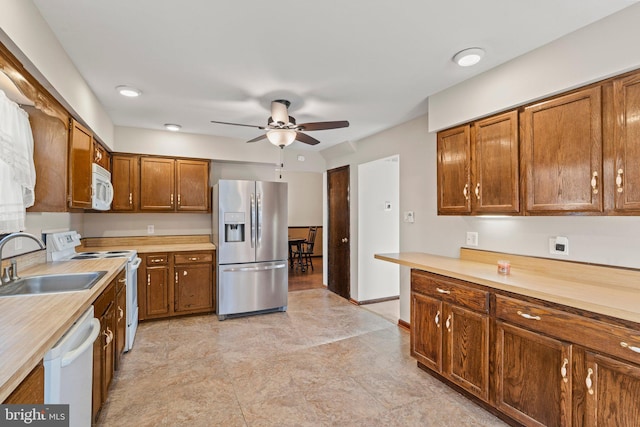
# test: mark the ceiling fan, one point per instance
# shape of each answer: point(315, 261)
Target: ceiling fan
point(282, 129)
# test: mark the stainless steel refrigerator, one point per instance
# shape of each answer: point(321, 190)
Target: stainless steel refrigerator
point(250, 234)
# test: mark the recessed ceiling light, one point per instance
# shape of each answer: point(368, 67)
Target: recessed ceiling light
point(468, 57)
point(129, 91)
point(172, 127)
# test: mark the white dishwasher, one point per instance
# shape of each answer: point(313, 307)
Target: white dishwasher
point(68, 369)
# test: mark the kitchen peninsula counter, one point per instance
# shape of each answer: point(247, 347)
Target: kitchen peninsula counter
point(30, 325)
point(606, 290)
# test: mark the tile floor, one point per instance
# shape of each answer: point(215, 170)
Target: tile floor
point(325, 362)
point(390, 310)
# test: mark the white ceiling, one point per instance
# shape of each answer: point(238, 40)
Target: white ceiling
point(371, 62)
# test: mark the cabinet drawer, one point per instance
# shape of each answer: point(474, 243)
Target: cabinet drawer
point(157, 259)
point(594, 334)
point(101, 303)
point(121, 281)
point(449, 290)
point(192, 258)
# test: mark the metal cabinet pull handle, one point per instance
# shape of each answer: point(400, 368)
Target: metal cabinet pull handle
point(448, 323)
point(477, 191)
point(443, 291)
point(108, 337)
point(121, 313)
point(528, 316)
point(193, 258)
point(176, 277)
point(619, 180)
point(438, 319)
point(124, 279)
point(130, 198)
point(171, 199)
point(563, 370)
point(148, 279)
point(594, 182)
point(630, 347)
point(588, 381)
point(465, 191)
point(178, 199)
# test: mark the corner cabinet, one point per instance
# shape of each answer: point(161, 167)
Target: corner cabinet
point(536, 363)
point(176, 283)
point(478, 167)
point(450, 330)
point(562, 144)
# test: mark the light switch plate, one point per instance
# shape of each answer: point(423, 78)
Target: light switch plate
point(150, 229)
point(409, 216)
point(472, 238)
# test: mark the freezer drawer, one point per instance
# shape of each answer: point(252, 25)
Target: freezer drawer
point(245, 288)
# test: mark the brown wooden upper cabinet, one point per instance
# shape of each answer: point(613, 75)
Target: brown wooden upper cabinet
point(80, 159)
point(562, 144)
point(125, 179)
point(100, 155)
point(174, 185)
point(626, 181)
point(478, 167)
point(454, 157)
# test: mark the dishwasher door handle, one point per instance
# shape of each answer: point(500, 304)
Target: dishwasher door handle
point(68, 358)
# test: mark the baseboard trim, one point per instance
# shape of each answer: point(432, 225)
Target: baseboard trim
point(404, 325)
point(374, 301)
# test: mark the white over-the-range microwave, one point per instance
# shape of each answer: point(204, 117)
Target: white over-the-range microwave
point(101, 188)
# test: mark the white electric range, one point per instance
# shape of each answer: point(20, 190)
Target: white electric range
point(61, 246)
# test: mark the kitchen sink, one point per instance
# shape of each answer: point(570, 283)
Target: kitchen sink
point(52, 283)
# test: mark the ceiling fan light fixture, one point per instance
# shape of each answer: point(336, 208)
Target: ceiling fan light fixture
point(128, 91)
point(468, 57)
point(172, 127)
point(281, 137)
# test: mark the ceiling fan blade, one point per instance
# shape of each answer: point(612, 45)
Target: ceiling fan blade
point(306, 139)
point(258, 138)
point(237, 124)
point(279, 112)
point(324, 125)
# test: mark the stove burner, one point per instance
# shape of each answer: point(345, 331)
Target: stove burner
point(86, 256)
point(108, 255)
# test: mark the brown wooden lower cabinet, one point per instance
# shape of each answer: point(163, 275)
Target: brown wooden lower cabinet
point(176, 283)
point(534, 362)
point(30, 390)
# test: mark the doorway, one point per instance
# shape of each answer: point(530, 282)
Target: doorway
point(338, 248)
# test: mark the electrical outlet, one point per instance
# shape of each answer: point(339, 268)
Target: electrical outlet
point(559, 245)
point(150, 229)
point(472, 238)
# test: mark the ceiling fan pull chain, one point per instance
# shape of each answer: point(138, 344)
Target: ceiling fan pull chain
point(281, 160)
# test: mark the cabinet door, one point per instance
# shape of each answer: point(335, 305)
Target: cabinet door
point(192, 185)
point(31, 389)
point(532, 386)
point(454, 156)
point(108, 322)
point(496, 187)
point(157, 184)
point(193, 287)
point(626, 104)
point(124, 177)
point(562, 142)
point(100, 155)
point(80, 155)
point(426, 330)
point(157, 291)
point(121, 325)
point(613, 392)
point(467, 350)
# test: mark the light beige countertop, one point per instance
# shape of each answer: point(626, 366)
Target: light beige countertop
point(30, 325)
point(605, 290)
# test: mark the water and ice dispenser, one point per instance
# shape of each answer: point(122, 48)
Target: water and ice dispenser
point(234, 226)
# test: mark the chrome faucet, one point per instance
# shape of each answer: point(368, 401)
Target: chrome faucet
point(10, 272)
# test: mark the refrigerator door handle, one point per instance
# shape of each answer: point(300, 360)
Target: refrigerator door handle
point(268, 267)
point(252, 217)
point(259, 209)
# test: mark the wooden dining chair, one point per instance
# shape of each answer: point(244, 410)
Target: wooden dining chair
point(306, 248)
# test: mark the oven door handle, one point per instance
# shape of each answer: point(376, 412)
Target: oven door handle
point(135, 264)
